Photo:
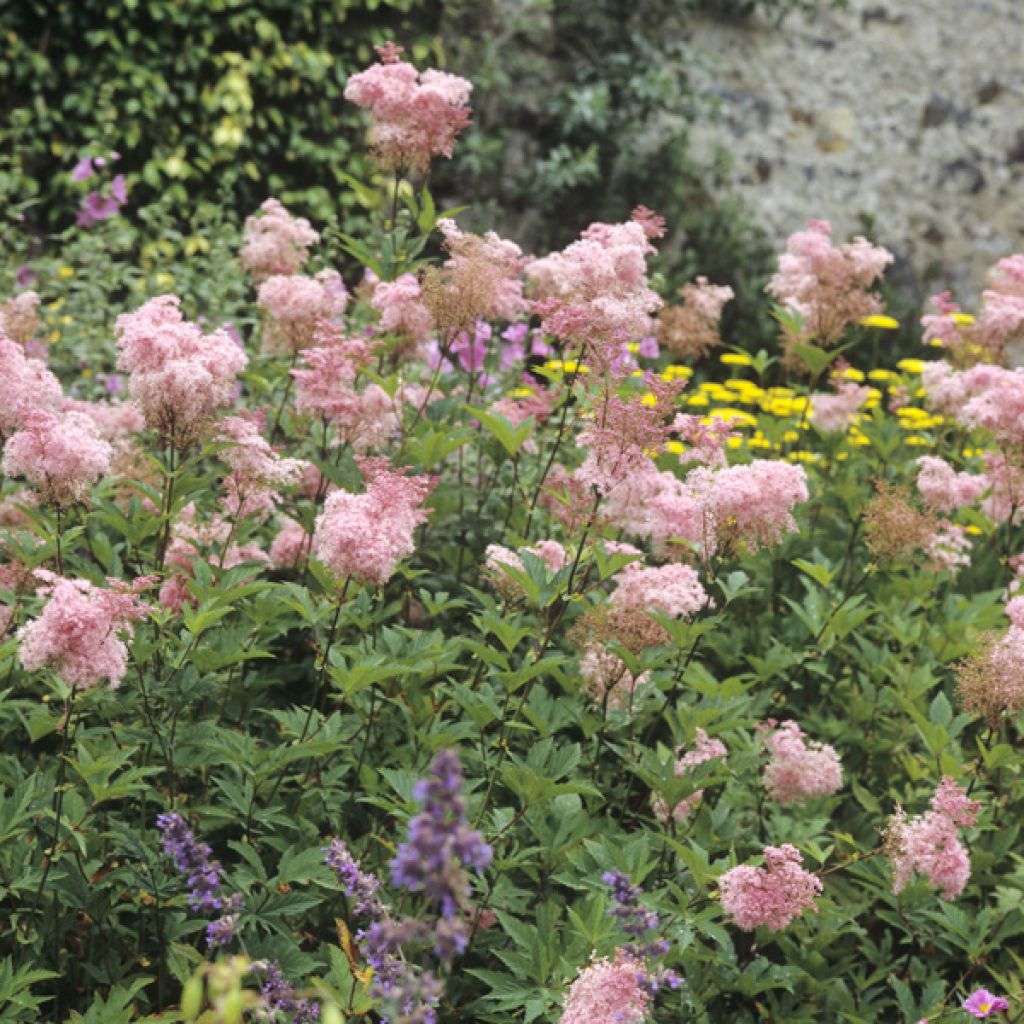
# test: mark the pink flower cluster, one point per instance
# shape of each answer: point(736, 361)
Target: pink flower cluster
point(750, 503)
point(945, 490)
point(930, 845)
point(79, 632)
point(19, 320)
point(608, 992)
point(178, 376)
point(690, 330)
point(257, 471)
point(363, 536)
point(61, 454)
point(999, 324)
point(798, 771)
point(705, 749)
point(607, 679)
point(414, 116)
point(295, 305)
point(772, 896)
point(275, 242)
point(497, 558)
point(25, 383)
point(596, 291)
point(673, 590)
point(326, 388)
point(827, 284)
point(402, 311)
point(835, 412)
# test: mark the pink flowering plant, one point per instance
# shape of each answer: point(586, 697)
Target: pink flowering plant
point(411, 627)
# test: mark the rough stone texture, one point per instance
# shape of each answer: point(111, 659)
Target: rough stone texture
point(902, 119)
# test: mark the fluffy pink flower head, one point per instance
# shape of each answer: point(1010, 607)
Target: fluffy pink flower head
point(705, 749)
point(799, 771)
point(550, 552)
point(623, 434)
point(828, 284)
point(25, 383)
point(942, 324)
point(257, 472)
point(413, 116)
point(364, 536)
point(750, 504)
point(595, 291)
point(997, 405)
point(930, 845)
point(673, 590)
point(79, 632)
point(945, 490)
point(772, 896)
point(290, 545)
point(950, 548)
point(982, 1003)
point(295, 306)
point(838, 411)
point(19, 318)
point(62, 455)
point(178, 376)
point(275, 242)
point(403, 312)
point(608, 992)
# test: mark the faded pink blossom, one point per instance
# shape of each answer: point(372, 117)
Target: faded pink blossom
point(772, 896)
point(838, 411)
point(673, 590)
point(19, 318)
point(79, 633)
point(607, 679)
point(403, 312)
point(290, 545)
point(275, 242)
point(797, 770)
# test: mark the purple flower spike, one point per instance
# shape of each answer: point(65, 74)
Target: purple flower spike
point(192, 860)
point(440, 842)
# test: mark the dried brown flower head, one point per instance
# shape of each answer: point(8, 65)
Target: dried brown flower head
point(894, 527)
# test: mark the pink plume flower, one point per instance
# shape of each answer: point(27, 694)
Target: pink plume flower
point(608, 992)
point(275, 242)
point(929, 844)
point(772, 896)
point(705, 749)
point(607, 679)
point(674, 590)
point(403, 312)
point(178, 376)
point(828, 284)
point(295, 306)
point(62, 455)
point(364, 536)
point(25, 383)
point(945, 490)
point(79, 633)
point(290, 544)
point(413, 116)
point(799, 771)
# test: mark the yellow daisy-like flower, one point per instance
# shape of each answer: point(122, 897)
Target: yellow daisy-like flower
point(735, 359)
point(883, 375)
point(917, 441)
point(698, 400)
point(850, 373)
point(886, 323)
point(911, 365)
point(66, 272)
point(802, 456)
point(734, 416)
point(962, 319)
point(734, 442)
point(675, 447)
point(676, 372)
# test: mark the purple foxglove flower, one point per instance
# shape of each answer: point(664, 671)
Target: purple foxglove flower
point(96, 208)
point(511, 355)
point(516, 334)
point(539, 347)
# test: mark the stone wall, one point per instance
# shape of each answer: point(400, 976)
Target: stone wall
point(903, 119)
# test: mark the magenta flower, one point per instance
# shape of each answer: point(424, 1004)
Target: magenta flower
point(95, 208)
point(83, 170)
point(982, 1003)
